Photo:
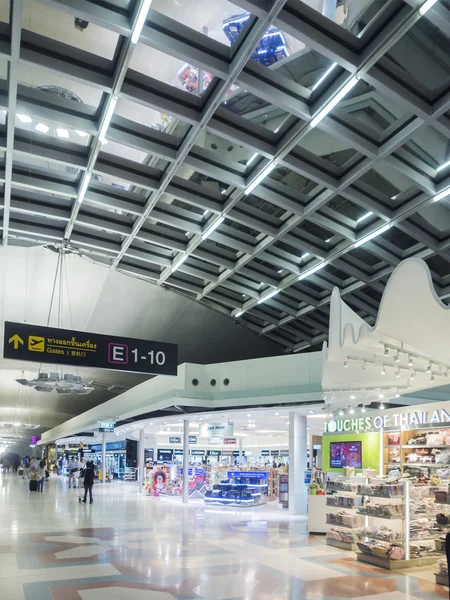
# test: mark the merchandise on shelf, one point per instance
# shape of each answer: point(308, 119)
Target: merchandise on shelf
point(343, 501)
point(381, 490)
point(344, 519)
point(283, 487)
point(382, 549)
point(342, 535)
point(442, 568)
point(240, 488)
point(385, 511)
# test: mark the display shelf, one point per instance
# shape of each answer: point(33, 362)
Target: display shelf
point(386, 563)
point(411, 447)
point(381, 496)
point(381, 539)
point(341, 545)
point(343, 526)
point(242, 488)
point(396, 518)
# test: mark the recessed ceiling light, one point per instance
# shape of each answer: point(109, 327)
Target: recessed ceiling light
point(280, 271)
point(287, 422)
point(62, 133)
point(276, 414)
point(42, 127)
point(249, 415)
point(81, 133)
point(24, 118)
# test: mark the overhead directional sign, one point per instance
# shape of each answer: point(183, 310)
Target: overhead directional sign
point(82, 349)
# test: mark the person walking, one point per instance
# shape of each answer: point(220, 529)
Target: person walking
point(41, 473)
point(88, 477)
point(73, 472)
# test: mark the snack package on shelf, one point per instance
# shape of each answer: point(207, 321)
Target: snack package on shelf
point(385, 534)
point(344, 518)
point(382, 549)
point(341, 535)
point(393, 438)
point(442, 567)
point(386, 511)
point(381, 489)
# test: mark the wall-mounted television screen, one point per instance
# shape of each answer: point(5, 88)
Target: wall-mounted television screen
point(345, 454)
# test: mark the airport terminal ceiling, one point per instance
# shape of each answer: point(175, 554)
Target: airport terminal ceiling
point(143, 154)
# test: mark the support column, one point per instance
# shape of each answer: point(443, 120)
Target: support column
point(103, 457)
point(141, 460)
point(241, 455)
point(185, 461)
point(298, 492)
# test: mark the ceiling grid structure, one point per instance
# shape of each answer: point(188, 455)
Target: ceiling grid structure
point(261, 193)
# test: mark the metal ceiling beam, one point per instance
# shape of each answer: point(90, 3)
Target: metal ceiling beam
point(16, 10)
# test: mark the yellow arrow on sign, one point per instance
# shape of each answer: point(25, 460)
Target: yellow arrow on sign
point(16, 340)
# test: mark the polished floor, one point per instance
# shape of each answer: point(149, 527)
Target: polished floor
point(129, 547)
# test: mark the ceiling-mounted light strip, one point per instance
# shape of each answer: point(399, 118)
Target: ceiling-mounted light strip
point(140, 21)
point(178, 263)
point(107, 120)
point(442, 195)
point(334, 101)
point(84, 187)
point(311, 271)
point(426, 7)
point(212, 227)
point(251, 159)
point(364, 217)
point(238, 314)
point(270, 167)
point(324, 76)
point(444, 166)
point(271, 295)
point(372, 235)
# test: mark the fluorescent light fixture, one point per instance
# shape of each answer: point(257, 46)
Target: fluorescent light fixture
point(364, 217)
point(334, 101)
point(140, 21)
point(206, 213)
point(24, 118)
point(81, 133)
point(426, 7)
point(324, 76)
point(304, 255)
point(372, 235)
point(16, 424)
point(178, 263)
point(270, 295)
point(238, 314)
point(107, 120)
point(42, 127)
point(442, 195)
point(252, 159)
point(311, 271)
point(84, 187)
point(212, 227)
point(270, 167)
point(444, 166)
point(62, 133)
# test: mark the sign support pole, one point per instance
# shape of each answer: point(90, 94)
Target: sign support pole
point(103, 457)
point(185, 460)
point(141, 459)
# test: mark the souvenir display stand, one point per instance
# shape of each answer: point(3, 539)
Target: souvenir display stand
point(413, 536)
point(283, 490)
point(340, 506)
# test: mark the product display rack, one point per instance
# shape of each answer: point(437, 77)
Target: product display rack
point(431, 452)
point(406, 540)
point(342, 496)
point(241, 488)
point(283, 490)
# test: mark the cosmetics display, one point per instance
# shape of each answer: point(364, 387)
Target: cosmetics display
point(240, 488)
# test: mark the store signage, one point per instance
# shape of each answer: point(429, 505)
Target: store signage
point(34, 439)
point(192, 439)
point(275, 453)
point(227, 453)
point(198, 453)
point(216, 430)
point(317, 446)
point(229, 441)
point(284, 452)
point(407, 419)
point(213, 453)
point(174, 440)
point(265, 452)
point(106, 427)
point(85, 349)
point(165, 454)
point(236, 452)
point(252, 474)
point(178, 452)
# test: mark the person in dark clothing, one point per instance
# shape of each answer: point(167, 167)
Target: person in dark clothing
point(88, 475)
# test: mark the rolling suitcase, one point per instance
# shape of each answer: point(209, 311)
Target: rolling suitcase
point(33, 485)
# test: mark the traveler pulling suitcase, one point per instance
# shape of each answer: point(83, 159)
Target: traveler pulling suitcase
point(33, 485)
